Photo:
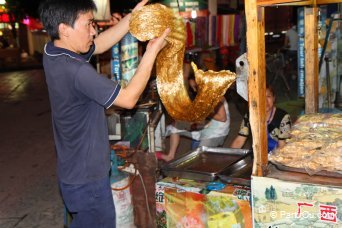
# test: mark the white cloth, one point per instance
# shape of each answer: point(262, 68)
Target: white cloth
point(213, 129)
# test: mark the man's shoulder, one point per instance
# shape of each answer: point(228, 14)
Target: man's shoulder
point(63, 63)
point(65, 56)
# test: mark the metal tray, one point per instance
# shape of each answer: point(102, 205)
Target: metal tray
point(299, 170)
point(206, 163)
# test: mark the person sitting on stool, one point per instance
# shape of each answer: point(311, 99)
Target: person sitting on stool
point(278, 125)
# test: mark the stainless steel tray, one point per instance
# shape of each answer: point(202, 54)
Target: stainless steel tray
point(302, 170)
point(206, 163)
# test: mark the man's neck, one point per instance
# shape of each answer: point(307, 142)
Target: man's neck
point(61, 44)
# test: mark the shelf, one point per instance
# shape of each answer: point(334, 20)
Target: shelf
point(295, 2)
point(282, 2)
point(302, 177)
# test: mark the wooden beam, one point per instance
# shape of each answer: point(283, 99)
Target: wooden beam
point(311, 59)
point(257, 84)
point(296, 2)
point(282, 2)
point(325, 2)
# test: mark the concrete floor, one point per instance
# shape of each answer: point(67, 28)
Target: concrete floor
point(29, 195)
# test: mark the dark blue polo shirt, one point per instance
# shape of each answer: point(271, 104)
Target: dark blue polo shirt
point(78, 96)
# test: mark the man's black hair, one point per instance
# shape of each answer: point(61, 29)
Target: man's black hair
point(54, 12)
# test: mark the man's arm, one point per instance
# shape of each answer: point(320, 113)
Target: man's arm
point(128, 96)
point(114, 34)
point(220, 112)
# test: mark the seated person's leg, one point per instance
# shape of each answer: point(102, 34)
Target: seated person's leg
point(174, 143)
point(195, 144)
point(175, 131)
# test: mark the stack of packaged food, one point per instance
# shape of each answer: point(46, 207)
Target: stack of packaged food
point(315, 146)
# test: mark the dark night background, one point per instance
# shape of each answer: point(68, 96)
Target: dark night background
point(30, 7)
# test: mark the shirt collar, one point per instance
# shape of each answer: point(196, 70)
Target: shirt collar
point(51, 50)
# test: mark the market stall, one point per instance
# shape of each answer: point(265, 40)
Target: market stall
point(292, 197)
point(168, 68)
point(194, 193)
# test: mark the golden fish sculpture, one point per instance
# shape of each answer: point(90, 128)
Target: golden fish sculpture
point(149, 22)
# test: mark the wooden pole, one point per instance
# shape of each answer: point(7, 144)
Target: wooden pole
point(311, 59)
point(257, 84)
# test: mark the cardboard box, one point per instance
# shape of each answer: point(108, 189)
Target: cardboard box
point(179, 185)
point(187, 203)
point(278, 203)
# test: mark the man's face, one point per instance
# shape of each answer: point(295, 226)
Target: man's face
point(81, 36)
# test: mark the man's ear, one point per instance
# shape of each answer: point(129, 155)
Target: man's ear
point(63, 30)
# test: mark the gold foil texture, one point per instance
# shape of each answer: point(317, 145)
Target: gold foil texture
point(149, 22)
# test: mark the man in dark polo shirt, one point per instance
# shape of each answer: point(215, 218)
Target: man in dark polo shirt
point(78, 96)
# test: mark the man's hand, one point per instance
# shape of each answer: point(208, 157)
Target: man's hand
point(158, 43)
point(139, 5)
